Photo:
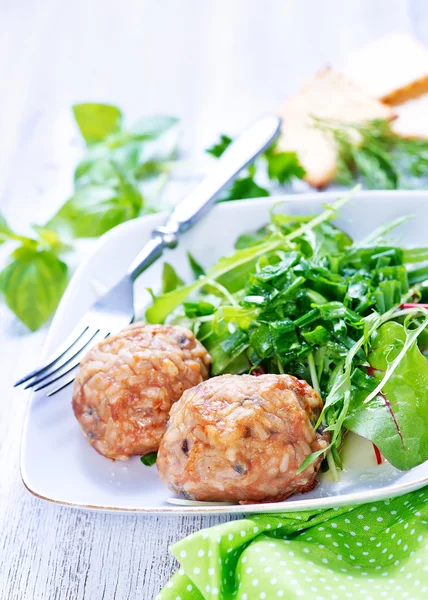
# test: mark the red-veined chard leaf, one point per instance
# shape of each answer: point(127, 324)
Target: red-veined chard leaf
point(396, 420)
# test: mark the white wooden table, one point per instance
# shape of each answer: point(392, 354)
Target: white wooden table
point(215, 63)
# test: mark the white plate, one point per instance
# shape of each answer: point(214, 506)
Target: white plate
point(57, 463)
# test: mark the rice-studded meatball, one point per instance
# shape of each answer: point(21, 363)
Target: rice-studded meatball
point(241, 438)
point(126, 385)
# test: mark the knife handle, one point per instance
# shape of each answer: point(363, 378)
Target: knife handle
point(242, 152)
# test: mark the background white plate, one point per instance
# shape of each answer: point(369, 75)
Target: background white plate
point(57, 463)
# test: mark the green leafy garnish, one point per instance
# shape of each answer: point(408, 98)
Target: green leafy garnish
point(149, 459)
point(111, 181)
point(95, 209)
point(372, 151)
point(35, 277)
point(218, 148)
point(197, 270)
point(170, 279)
point(242, 189)
point(282, 166)
point(97, 121)
point(394, 415)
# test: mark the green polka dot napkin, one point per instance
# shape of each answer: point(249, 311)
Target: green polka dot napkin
point(370, 552)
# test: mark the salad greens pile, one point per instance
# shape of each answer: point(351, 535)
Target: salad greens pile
point(299, 296)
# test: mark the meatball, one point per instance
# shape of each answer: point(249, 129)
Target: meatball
point(241, 438)
point(127, 383)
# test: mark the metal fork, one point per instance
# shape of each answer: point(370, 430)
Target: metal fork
point(115, 309)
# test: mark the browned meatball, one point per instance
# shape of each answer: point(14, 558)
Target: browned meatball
point(127, 383)
point(241, 438)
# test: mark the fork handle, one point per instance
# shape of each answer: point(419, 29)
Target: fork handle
point(189, 211)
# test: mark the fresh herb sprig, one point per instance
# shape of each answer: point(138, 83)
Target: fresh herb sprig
point(373, 152)
point(120, 164)
point(299, 296)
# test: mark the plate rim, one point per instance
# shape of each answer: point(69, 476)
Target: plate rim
point(274, 507)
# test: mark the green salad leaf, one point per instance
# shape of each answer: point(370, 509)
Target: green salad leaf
point(149, 459)
point(5, 231)
point(219, 147)
point(33, 283)
point(95, 209)
point(242, 189)
point(283, 166)
point(395, 419)
point(97, 121)
point(197, 269)
point(170, 279)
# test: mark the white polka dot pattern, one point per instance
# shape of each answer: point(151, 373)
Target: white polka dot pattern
point(371, 552)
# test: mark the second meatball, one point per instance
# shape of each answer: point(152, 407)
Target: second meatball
point(242, 438)
point(127, 383)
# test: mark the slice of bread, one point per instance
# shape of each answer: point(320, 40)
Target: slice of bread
point(393, 69)
point(412, 118)
point(328, 96)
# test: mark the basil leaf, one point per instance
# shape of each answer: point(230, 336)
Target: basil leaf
point(397, 419)
point(33, 284)
point(5, 231)
point(94, 209)
point(170, 279)
point(97, 121)
point(150, 128)
point(149, 459)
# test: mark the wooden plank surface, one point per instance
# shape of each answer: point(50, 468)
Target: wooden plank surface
point(215, 63)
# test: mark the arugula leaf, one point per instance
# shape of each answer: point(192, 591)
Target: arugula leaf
point(166, 303)
point(198, 309)
point(149, 459)
point(232, 271)
point(170, 279)
point(242, 189)
point(218, 148)
point(197, 270)
point(251, 239)
point(283, 166)
point(240, 315)
point(396, 419)
point(97, 121)
point(33, 284)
